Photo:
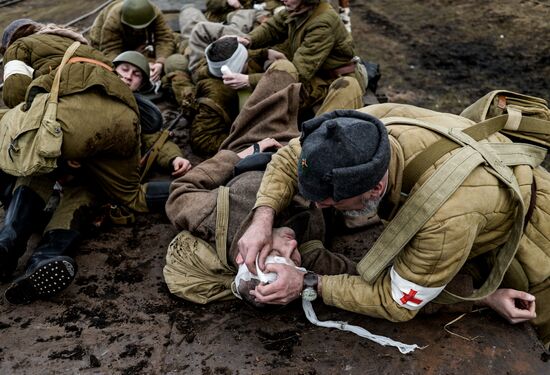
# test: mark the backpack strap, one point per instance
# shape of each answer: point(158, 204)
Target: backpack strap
point(222, 223)
point(51, 107)
point(513, 121)
point(421, 205)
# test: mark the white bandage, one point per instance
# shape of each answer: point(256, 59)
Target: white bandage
point(235, 63)
point(17, 67)
point(245, 275)
point(410, 295)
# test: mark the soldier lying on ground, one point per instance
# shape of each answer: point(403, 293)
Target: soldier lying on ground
point(346, 160)
point(132, 68)
point(101, 136)
point(134, 25)
point(201, 266)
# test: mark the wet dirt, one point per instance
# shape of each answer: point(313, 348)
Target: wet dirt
point(118, 316)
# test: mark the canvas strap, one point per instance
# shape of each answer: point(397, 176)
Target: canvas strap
point(149, 158)
point(51, 108)
point(422, 205)
point(478, 131)
point(222, 223)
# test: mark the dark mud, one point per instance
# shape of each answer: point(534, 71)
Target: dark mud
point(118, 316)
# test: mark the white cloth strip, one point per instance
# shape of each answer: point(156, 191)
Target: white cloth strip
point(17, 67)
point(359, 331)
point(410, 295)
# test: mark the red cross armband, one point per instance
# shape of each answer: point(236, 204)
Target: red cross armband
point(410, 295)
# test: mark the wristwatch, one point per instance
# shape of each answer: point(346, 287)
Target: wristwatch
point(309, 292)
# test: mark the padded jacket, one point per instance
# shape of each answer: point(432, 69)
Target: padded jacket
point(475, 220)
point(43, 53)
point(109, 35)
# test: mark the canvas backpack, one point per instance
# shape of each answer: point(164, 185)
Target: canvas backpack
point(31, 139)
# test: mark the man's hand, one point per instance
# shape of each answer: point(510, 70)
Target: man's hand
point(513, 305)
point(257, 239)
point(236, 81)
point(285, 289)
point(235, 4)
point(180, 166)
point(273, 55)
point(263, 144)
point(156, 70)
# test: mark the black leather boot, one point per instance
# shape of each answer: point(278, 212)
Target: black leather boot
point(7, 182)
point(25, 212)
point(49, 270)
point(156, 195)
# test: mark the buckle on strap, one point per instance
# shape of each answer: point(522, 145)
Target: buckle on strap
point(485, 151)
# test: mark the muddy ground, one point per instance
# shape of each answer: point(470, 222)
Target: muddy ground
point(118, 316)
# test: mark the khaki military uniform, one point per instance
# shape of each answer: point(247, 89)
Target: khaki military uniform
point(217, 10)
point(97, 112)
point(319, 46)
point(475, 220)
point(109, 35)
point(218, 105)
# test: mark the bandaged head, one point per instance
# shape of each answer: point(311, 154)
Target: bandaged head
point(225, 51)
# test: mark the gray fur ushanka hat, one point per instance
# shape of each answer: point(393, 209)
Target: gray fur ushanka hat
point(345, 153)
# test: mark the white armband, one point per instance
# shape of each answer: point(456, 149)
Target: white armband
point(17, 67)
point(410, 295)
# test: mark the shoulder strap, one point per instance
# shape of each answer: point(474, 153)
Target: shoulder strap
point(51, 107)
point(511, 121)
point(151, 155)
point(54, 92)
point(222, 223)
point(421, 206)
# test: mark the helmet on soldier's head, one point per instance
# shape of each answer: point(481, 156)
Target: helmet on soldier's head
point(135, 58)
point(137, 14)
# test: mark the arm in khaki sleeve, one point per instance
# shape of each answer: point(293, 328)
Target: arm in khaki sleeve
point(111, 38)
point(164, 38)
point(167, 152)
point(430, 260)
point(280, 178)
point(15, 86)
point(269, 33)
point(196, 186)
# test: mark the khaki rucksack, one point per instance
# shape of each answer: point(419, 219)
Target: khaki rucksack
point(30, 139)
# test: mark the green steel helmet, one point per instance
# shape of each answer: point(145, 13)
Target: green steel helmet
point(137, 14)
point(135, 58)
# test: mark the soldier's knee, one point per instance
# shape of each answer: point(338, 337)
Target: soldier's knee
point(176, 62)
point(285, 66)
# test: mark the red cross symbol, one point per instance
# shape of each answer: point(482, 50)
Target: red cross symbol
point(410, 297)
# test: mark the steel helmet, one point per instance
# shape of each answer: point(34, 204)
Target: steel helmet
point(137, 14)
point(137, 59)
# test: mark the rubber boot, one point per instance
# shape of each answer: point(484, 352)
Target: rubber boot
point(22, 216)
point(156, 195)
point(7, 182)
point(50, 269)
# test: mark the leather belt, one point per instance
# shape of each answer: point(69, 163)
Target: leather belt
point(342, 70)
point(91, 61)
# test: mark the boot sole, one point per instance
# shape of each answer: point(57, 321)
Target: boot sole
point(45, 281)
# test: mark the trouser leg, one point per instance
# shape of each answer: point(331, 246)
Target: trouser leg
point(7, 183)
point(22, 216)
